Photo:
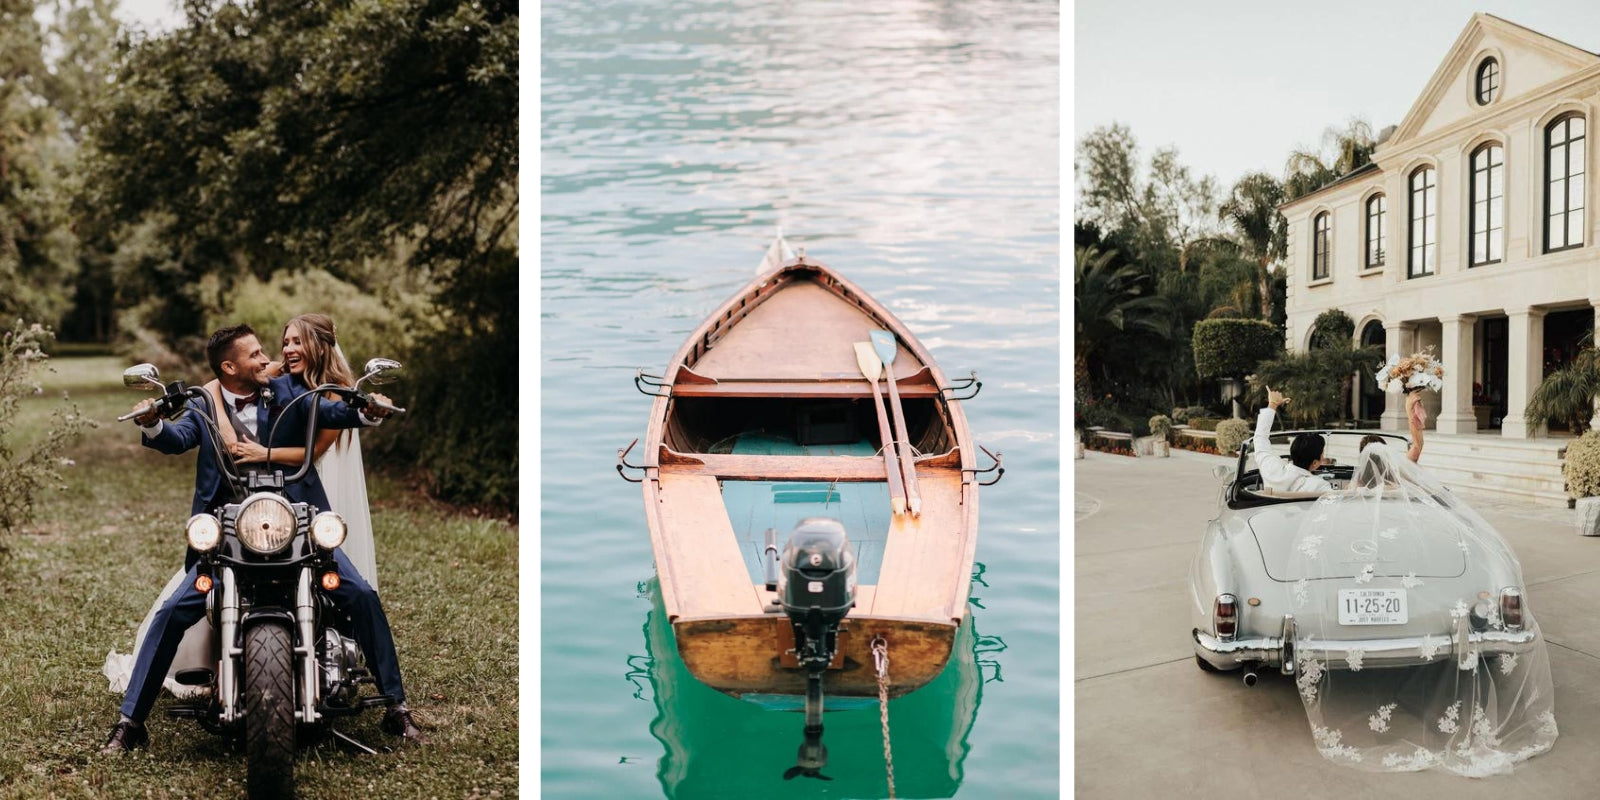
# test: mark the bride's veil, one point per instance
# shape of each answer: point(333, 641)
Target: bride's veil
point(1403, 658)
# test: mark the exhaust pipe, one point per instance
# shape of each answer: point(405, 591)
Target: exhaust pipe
point(1250, 676)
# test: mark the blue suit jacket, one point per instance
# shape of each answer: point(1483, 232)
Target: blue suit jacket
point(187, 431)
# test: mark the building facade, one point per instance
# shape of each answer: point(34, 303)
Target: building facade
point(1469, 232)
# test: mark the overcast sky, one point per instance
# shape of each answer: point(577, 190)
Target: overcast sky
point(1236, 86)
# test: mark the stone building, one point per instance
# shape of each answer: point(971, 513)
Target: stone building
point(1468, 232)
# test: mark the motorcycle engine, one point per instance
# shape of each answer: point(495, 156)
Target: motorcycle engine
point(341, 662)
point(817, 588)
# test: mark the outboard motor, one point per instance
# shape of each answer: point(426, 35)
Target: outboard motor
point(817, 588)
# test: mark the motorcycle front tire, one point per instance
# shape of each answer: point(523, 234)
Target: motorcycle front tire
point(269, 711)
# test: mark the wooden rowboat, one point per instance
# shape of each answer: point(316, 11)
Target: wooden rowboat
point(764, 418)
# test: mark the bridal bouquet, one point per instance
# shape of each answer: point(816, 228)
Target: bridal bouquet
point(1412, 373)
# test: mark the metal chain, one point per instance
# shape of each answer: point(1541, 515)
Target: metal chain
point(880, 658)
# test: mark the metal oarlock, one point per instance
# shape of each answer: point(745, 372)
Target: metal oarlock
point(998, 467)
point(622, 463)
point(962, 385)
point(642, 380)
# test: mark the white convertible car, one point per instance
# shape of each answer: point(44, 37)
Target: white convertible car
point(1427, 584)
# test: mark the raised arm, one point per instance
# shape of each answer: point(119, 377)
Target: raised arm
point(1269, 464)
point(1416, 417)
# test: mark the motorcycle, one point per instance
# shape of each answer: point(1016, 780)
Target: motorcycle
point(286, 662)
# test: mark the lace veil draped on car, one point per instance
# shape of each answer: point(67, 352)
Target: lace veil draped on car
point(1413, 647)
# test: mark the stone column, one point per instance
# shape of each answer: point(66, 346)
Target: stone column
point(1399, 340)
point(1524, 369)
point(1455, 402)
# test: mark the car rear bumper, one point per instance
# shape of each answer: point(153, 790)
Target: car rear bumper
point(1373, 652)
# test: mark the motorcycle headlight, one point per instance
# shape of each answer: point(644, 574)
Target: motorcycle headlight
point(265, 525)
point(203, 532)
point(328, 530)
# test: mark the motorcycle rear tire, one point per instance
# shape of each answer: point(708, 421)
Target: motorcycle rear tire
point(269, 726)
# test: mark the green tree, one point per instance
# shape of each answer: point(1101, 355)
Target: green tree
point(276, 136)
point(1251, 210)
point(1342, 151)
point(37, 246)
point(1568, 393)
point(1110, 299)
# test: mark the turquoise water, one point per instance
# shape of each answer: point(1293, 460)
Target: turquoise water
point(914, 146)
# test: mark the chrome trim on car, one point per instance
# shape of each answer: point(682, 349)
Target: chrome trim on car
point(1403, 651)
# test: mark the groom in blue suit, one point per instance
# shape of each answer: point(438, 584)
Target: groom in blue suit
point(259, 408)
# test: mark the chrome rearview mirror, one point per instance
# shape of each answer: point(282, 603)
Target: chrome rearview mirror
point(1222, 472)
point(143, 377)
point(380, 371)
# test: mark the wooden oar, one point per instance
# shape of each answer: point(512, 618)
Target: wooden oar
point(883, 344)
point(871, 367)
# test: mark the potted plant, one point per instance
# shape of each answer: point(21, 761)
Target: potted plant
point(1231, 433)
point(1582, 471)
point(1160, 430)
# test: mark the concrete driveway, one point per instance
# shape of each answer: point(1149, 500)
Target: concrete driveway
point(1149, 723)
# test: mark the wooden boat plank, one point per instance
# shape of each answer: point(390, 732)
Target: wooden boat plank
point(923, 554)
point(704, 566)
point(798, 389)
point(780, 468)
point(740, 654)
point(802, 332)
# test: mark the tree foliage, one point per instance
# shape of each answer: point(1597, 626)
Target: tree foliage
point(1567, 394)
point(1231, 348)
point(1110, 299)
point(30, 462)
point(1343, 150)
point(364, 139)
point(1332, 330)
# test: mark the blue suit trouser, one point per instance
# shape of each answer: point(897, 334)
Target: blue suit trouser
point(187, 606)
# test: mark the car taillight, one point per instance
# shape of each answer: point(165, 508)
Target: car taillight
point(1511, 608)
point(1227, 616)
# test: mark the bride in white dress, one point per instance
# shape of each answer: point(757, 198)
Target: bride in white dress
point(312, 355)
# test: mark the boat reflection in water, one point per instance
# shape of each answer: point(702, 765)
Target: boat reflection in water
point(718, 746)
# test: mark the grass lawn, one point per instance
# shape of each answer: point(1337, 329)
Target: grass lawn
point(78, 580)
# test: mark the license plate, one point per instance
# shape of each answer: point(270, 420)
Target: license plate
point(1372, 606)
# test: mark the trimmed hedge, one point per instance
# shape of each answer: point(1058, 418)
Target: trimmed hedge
point(1332, 329)
point(1204, 423)
point(1231, 348)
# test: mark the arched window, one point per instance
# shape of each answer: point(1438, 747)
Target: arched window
point(1423, 234)
point(1319, 246)
point(1488, 242)
point(1564, 154)
point(1377, 215)
point(1488, 81)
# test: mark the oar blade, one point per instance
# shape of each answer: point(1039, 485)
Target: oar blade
point(868, 361)
point(883, 344)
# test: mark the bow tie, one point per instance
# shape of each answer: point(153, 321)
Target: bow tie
point(242, 403)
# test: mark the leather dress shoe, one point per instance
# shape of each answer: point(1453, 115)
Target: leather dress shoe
point(398, 721)
point(124, 737)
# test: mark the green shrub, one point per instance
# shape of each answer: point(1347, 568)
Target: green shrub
point(1161, 425)
point(1332, 329)
point(30, 462)
point(1231, 433)
point(367, 324)
point(1582, 467)
point(1231, 348)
